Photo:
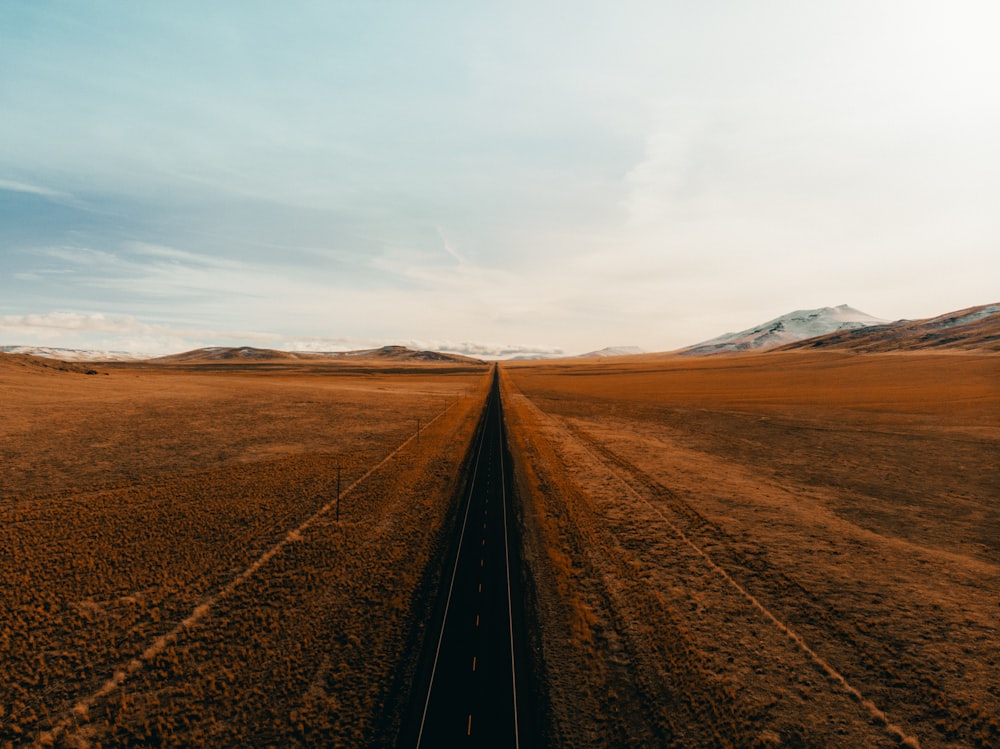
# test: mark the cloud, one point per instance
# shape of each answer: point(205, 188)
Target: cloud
point(74, 321)
point(14, 186)
point(449, 246)
point(143, 272)
point(174, 256)
point(52, 324)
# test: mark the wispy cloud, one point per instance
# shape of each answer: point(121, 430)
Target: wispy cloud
point(14, 186)
point(152, 271)
point(73, 321)
point(174, 255)
point(98, 322)
point(449, 246)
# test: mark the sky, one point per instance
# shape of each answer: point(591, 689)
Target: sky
point(489, 178)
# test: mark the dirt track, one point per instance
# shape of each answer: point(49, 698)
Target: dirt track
point(778, 553)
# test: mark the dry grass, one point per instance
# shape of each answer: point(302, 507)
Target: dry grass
point(170, 574)
point(778, 550)
point(794, 549)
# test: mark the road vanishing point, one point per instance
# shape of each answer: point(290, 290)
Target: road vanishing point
point(477, 655)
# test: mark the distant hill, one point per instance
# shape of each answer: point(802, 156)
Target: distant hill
point(968, 329)
point(402, 353)
point(72, 354)
point(789, 328)
point(613, 351)
point(226, 353)
point(251, 354)
point(17, 362)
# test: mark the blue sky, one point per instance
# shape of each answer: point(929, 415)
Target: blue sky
point(493, 178)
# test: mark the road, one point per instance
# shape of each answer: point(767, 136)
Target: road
point(471, 695)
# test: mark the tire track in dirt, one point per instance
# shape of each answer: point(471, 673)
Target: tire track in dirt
point(658, 643)
point(954, 718)
point(875, 714)
point(63, 727)
point(646, 680)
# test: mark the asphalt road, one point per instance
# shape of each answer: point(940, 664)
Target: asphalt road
point(471, 695)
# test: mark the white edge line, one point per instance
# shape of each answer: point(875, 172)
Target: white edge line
point(451, 586)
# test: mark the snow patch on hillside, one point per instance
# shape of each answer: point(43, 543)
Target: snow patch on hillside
point(789, 328)
point(615, 351)
point(70, 354)
point(963, 317)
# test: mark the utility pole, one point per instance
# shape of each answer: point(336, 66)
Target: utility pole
point(338, 494)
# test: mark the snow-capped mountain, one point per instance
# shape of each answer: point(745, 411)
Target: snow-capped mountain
point(71, 354)
point(966, 329)
point(794, 326)
point(614, 351)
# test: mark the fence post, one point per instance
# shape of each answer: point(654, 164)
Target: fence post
point(338, 493)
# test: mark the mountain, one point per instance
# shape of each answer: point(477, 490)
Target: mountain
point(72, 354)
point(614, 351)
point(789, 328)
point(967, 329)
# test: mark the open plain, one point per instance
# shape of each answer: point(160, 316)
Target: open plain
point(785, 549)
point(764, 550)
point(173, 570)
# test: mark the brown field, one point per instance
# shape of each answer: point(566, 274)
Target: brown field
point(790, 549)
point(794, 549)
point(169, 576)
